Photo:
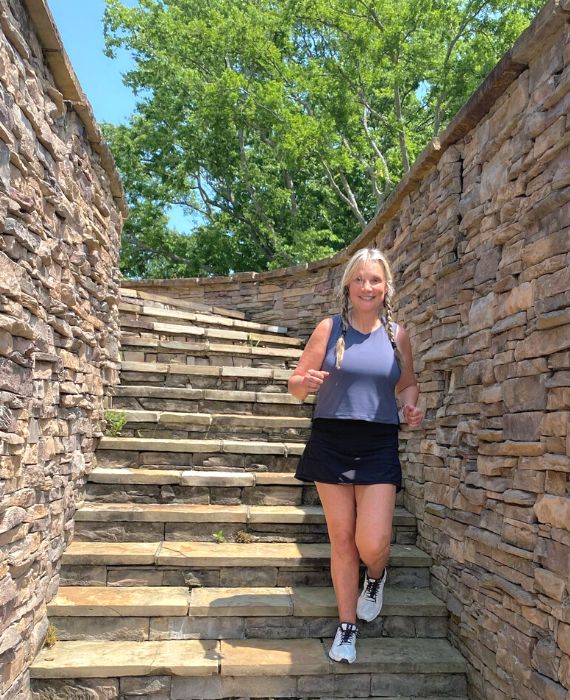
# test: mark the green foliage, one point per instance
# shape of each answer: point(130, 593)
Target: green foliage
point(281, 126)
point(219, 536)
point(115, 422)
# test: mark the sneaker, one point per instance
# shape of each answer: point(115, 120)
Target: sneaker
point(370, 600)
point(344, 645)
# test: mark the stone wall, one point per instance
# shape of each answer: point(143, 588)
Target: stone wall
point(479, 236)
point(61, 210)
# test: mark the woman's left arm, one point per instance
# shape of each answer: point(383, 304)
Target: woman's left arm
point(407, 390)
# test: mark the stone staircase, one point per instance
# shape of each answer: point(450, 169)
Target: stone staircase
point(199, 566)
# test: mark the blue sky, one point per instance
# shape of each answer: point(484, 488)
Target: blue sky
point(80, 23)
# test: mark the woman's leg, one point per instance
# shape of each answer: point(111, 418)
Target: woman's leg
point(340, 512)
point(374, 514)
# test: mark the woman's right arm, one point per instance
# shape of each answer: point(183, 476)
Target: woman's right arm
point(307, 377)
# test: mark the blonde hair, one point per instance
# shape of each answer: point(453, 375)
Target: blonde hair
point(363, 256)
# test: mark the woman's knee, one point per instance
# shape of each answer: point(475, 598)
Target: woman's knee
point(371, 549)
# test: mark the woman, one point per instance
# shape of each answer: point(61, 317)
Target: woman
point(358, 361)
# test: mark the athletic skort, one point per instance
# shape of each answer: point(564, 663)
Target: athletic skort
point(344, 451)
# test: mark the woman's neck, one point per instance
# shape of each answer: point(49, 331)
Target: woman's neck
point(364, 323)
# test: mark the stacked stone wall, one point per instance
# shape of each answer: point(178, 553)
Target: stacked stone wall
point(479, 236)
point(60, 220)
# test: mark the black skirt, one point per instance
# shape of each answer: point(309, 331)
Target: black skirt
point(357, 452)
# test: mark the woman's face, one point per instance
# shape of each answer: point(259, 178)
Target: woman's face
point(368, 287)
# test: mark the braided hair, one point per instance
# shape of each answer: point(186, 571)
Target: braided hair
point(362, 257)
point(340, 343)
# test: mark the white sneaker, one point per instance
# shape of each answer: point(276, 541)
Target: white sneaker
point(370, 600)
point(344, 645)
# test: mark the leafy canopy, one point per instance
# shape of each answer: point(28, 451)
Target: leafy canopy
point(281, 126)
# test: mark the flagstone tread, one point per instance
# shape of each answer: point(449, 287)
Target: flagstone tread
point(180, 303)
point(192, 513)
point(243, 658)
point(242, 396)
point(206, 554)
point(104, 659)
point(214, 419)
point(188, 329)
point(208, 446)
point(207, 347)
point(309, 656)
point(192, 477)
point(269, 373)
point(162, 601)
point(304, 601)
point(128, 601)
point(141, 310)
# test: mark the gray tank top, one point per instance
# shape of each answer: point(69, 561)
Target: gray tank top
point(363, 388)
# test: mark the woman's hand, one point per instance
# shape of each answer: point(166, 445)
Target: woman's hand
point(313, 379)
point(412, 415)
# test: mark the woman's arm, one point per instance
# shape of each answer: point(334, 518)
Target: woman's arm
point(308, 376)
point(407, 390)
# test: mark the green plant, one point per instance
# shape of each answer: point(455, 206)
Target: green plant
point(219, 536)
point(116, 421)
point(51, 635)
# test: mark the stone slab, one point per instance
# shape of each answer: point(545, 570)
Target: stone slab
point(277, 479)
point(390, 655)
point(83, 659)
point(126, 475)
point(164, 512)
point(286, 514)
point(280, 657)
point(193, 477)
point(233, 554)
point(200, 317)
point(266, 554)
point(129, 340)
point(128, 601)
point(159, 445)
point(253, 602)
point(111, 553)
point(319, 601)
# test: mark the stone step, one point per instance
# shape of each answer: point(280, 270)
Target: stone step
point(137, 310)
point(181, 425)
point(204, 376)
point(134, 452)
point(140, 522)
point(111, 485)
point(143, 614)
point(187, 331)
point(215, 669)
point(164, 301)
point(212, 401)
point(225, 564)
point(204, 352)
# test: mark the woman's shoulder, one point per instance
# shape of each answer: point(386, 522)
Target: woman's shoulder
point(329, 322)
point(324, 327)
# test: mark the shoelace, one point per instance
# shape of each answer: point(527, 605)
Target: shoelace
point(372, 588)
point(346, 634)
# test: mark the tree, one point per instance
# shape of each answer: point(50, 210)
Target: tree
point(283, 125)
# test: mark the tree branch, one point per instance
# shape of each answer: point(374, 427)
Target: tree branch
point(348, 197)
